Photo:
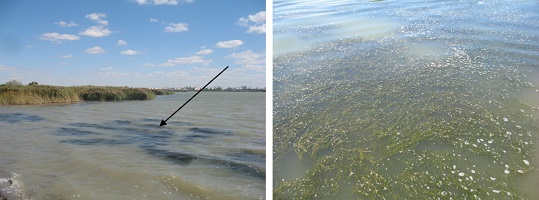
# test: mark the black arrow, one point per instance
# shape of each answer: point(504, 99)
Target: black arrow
point(164, 122)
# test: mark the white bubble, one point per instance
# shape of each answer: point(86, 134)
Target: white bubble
point(444, 193)
point(461, 174)
point(526, 162)
point(506, 171)
point(505, 119)
point(496, 191)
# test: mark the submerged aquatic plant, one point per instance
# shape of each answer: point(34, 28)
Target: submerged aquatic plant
point(382, 124)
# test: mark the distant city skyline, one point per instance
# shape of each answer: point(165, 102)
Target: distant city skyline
point(135, 43)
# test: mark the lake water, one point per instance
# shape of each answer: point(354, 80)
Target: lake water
point(406, 99)
point(214, 148)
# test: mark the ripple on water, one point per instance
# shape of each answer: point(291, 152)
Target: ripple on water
point(19, 117)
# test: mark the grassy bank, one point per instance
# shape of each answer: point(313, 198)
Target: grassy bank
point(42, 94)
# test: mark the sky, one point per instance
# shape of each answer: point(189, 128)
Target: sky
point(135, 43)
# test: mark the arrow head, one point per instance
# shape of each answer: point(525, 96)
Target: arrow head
point(163, 123)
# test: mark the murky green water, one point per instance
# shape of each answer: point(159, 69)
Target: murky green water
point(414, 99)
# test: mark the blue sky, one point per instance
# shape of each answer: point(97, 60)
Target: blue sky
point(137, 43)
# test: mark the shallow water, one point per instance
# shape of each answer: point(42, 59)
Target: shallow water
point(214, 148)
point(422, 99)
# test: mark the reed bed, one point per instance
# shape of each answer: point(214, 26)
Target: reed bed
point(43, 94)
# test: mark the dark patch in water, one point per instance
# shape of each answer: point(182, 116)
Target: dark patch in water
point(122, 122)
point(194, 138)
point(260, 141)
point(245, 161)
point(186, 158)
point(19, 117)
point(123, 131)
point(159, 138)
point(210, 131)
point(88, 125)
point(203, 133)
point(179, 123)
point(241, 167)
point(247, 155)
point(73, 131)
point(82, 125)
point(95, 141)
point(169, 123)
point(176, 157)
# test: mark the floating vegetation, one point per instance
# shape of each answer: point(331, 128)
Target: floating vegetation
point(382, 125)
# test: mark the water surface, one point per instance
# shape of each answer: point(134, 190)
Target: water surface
point(214, 148)
point(419, 99)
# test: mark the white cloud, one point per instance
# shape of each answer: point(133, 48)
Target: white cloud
point(204, 52)
point(257, 29)
point(179, 27)
point(229, 44)
point(169, 2)
point(114, 74)
point(68, 56)
point(256, 22)
point(107, 68)
point(250, 60)
point(186, 60)
point(57, 37)
point(243, 21)
point(162, 2)
point(66, 24)
point(6, 68)
point(153, 20)
point(141, 1)
point(95, 50)
point(129, 52)
point(148, 65)
point(96, 31)
point(121, 43)
point(258, 17)
point(98, 17)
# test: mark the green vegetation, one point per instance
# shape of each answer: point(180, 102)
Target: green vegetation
point(161, 92)
point(42, 94)
point(391, 126)
point(13, 83)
